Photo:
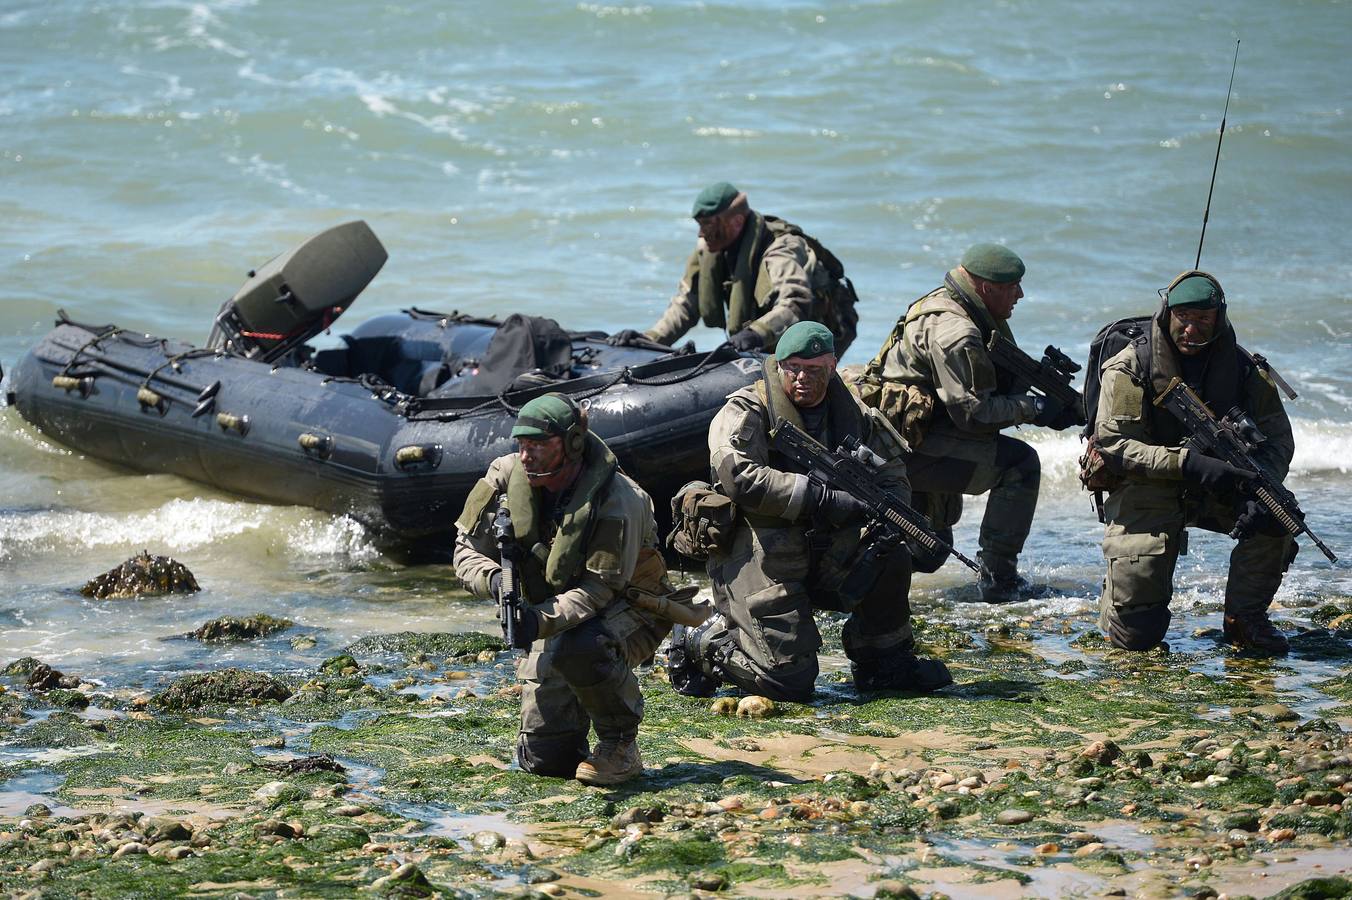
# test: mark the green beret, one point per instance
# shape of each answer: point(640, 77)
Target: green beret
point(713, 200)
point(1197, 291)
point(805, 339)
point(993, 262)
point(544, 417)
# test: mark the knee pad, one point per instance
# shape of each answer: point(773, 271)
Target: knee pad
point(1139, 628)
point(553, 755)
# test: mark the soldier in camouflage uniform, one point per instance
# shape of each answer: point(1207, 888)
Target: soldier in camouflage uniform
point(1164, 488)
point(935, 381)
point(796, 545)
point(753, 275)
point(586, 534)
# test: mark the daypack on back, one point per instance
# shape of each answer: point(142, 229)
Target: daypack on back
point(835, 308)
point(1109, 341)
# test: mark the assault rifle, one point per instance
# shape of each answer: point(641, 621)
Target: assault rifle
point(509, 593)
point(1050, 376)
point(854, 469)
point(1234, 439)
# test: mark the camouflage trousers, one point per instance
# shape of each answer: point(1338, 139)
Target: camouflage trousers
point(579, 679)
point(1141, 545)
point(767, 588)
point(938, 484)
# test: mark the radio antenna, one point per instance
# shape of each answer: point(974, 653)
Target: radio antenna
point(1215, 165)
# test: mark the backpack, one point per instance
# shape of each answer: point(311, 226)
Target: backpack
point(1097, 474)
point(834, 307)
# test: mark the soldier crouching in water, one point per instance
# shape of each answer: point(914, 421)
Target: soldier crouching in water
point(796, 544)
point(587, 536)
point(1162, 487)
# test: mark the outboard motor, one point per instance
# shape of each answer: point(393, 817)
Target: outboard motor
point(294, 296)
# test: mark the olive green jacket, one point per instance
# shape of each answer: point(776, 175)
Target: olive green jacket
point(749, 471)
point(1124, 423)
point(786, 276)
point(940, 347)
point(621, 523)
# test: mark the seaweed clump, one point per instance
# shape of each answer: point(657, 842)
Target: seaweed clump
point(226, 686)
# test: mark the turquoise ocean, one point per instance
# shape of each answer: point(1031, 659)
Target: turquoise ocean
point(542, 158)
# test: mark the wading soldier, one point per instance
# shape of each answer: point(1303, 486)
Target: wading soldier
point(1165, 488)
point(935, 382)
point(585, 534)
point(796, 545)
point(753, 275)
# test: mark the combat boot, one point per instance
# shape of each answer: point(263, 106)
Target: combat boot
point(999, 581)
point(612, 762)
point(1255, 632)
point(900, 670)
point(688, 666)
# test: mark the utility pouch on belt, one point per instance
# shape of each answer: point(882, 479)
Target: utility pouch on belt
point(1097, 474)
point(702, 521)
point(908, 407)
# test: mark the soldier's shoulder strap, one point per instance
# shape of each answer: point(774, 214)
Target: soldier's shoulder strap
point(778, 226)
point(1260, 362)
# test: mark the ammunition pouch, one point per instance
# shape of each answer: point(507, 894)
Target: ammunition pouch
point(908, 407)
point(703, 521)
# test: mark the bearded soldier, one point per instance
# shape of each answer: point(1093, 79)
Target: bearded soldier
point(1164, 488)
point(753, 275)
point(585, 534)
point(935, 381)
point(796, 545)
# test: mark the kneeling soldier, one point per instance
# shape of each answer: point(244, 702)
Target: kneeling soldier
point(1163, 487)
point(585, 535)
point(796, 544)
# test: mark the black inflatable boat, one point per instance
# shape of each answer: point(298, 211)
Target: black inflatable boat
point(393, 427)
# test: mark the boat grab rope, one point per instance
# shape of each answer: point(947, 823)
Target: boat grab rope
point(623, 376)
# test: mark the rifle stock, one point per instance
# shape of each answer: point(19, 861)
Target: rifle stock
point(853, 469)
point(1050, 376)
point(1232, 439)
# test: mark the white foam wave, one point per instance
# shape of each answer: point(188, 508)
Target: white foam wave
point(184, 525)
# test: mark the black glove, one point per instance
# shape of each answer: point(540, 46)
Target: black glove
point(838, 507)
point(747, 339)
point(527, 628)
point(1255, 519)
point(625, 337)
point(512, 551)
point(1048, 413)
point(1212, 473)
point(1068, 417)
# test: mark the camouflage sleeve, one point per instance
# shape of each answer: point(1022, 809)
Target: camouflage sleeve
point(789, 299)
point(476, 553)
point(624, 522)
point(683, 310)
point(964, 376)
point(1264, 404)
point(739, 454)
point(1120, 424)
point(884, 441)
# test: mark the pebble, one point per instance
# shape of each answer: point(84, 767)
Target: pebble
point(349, 810)
point(1275, 712)
point(485, 841)
point(723, 706)
point(708, 881)
point(1013, 816)
point(1088, 849)
point(755, 707)
point(1047, 849)
point(129, 848)
point(1279, 835)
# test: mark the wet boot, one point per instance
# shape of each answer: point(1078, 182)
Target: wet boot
point(1255, 632)
point(1000, 582)
point(900, 670)
point(688, 650)
point(612, 762)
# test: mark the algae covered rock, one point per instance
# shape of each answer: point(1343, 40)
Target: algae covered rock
point(234, 628)
point(23, 666)
point(226, 686)
point(439, 643)
point(142, 576)
point(44, 678)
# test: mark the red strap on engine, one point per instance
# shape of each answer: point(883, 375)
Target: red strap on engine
point(330, 314)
